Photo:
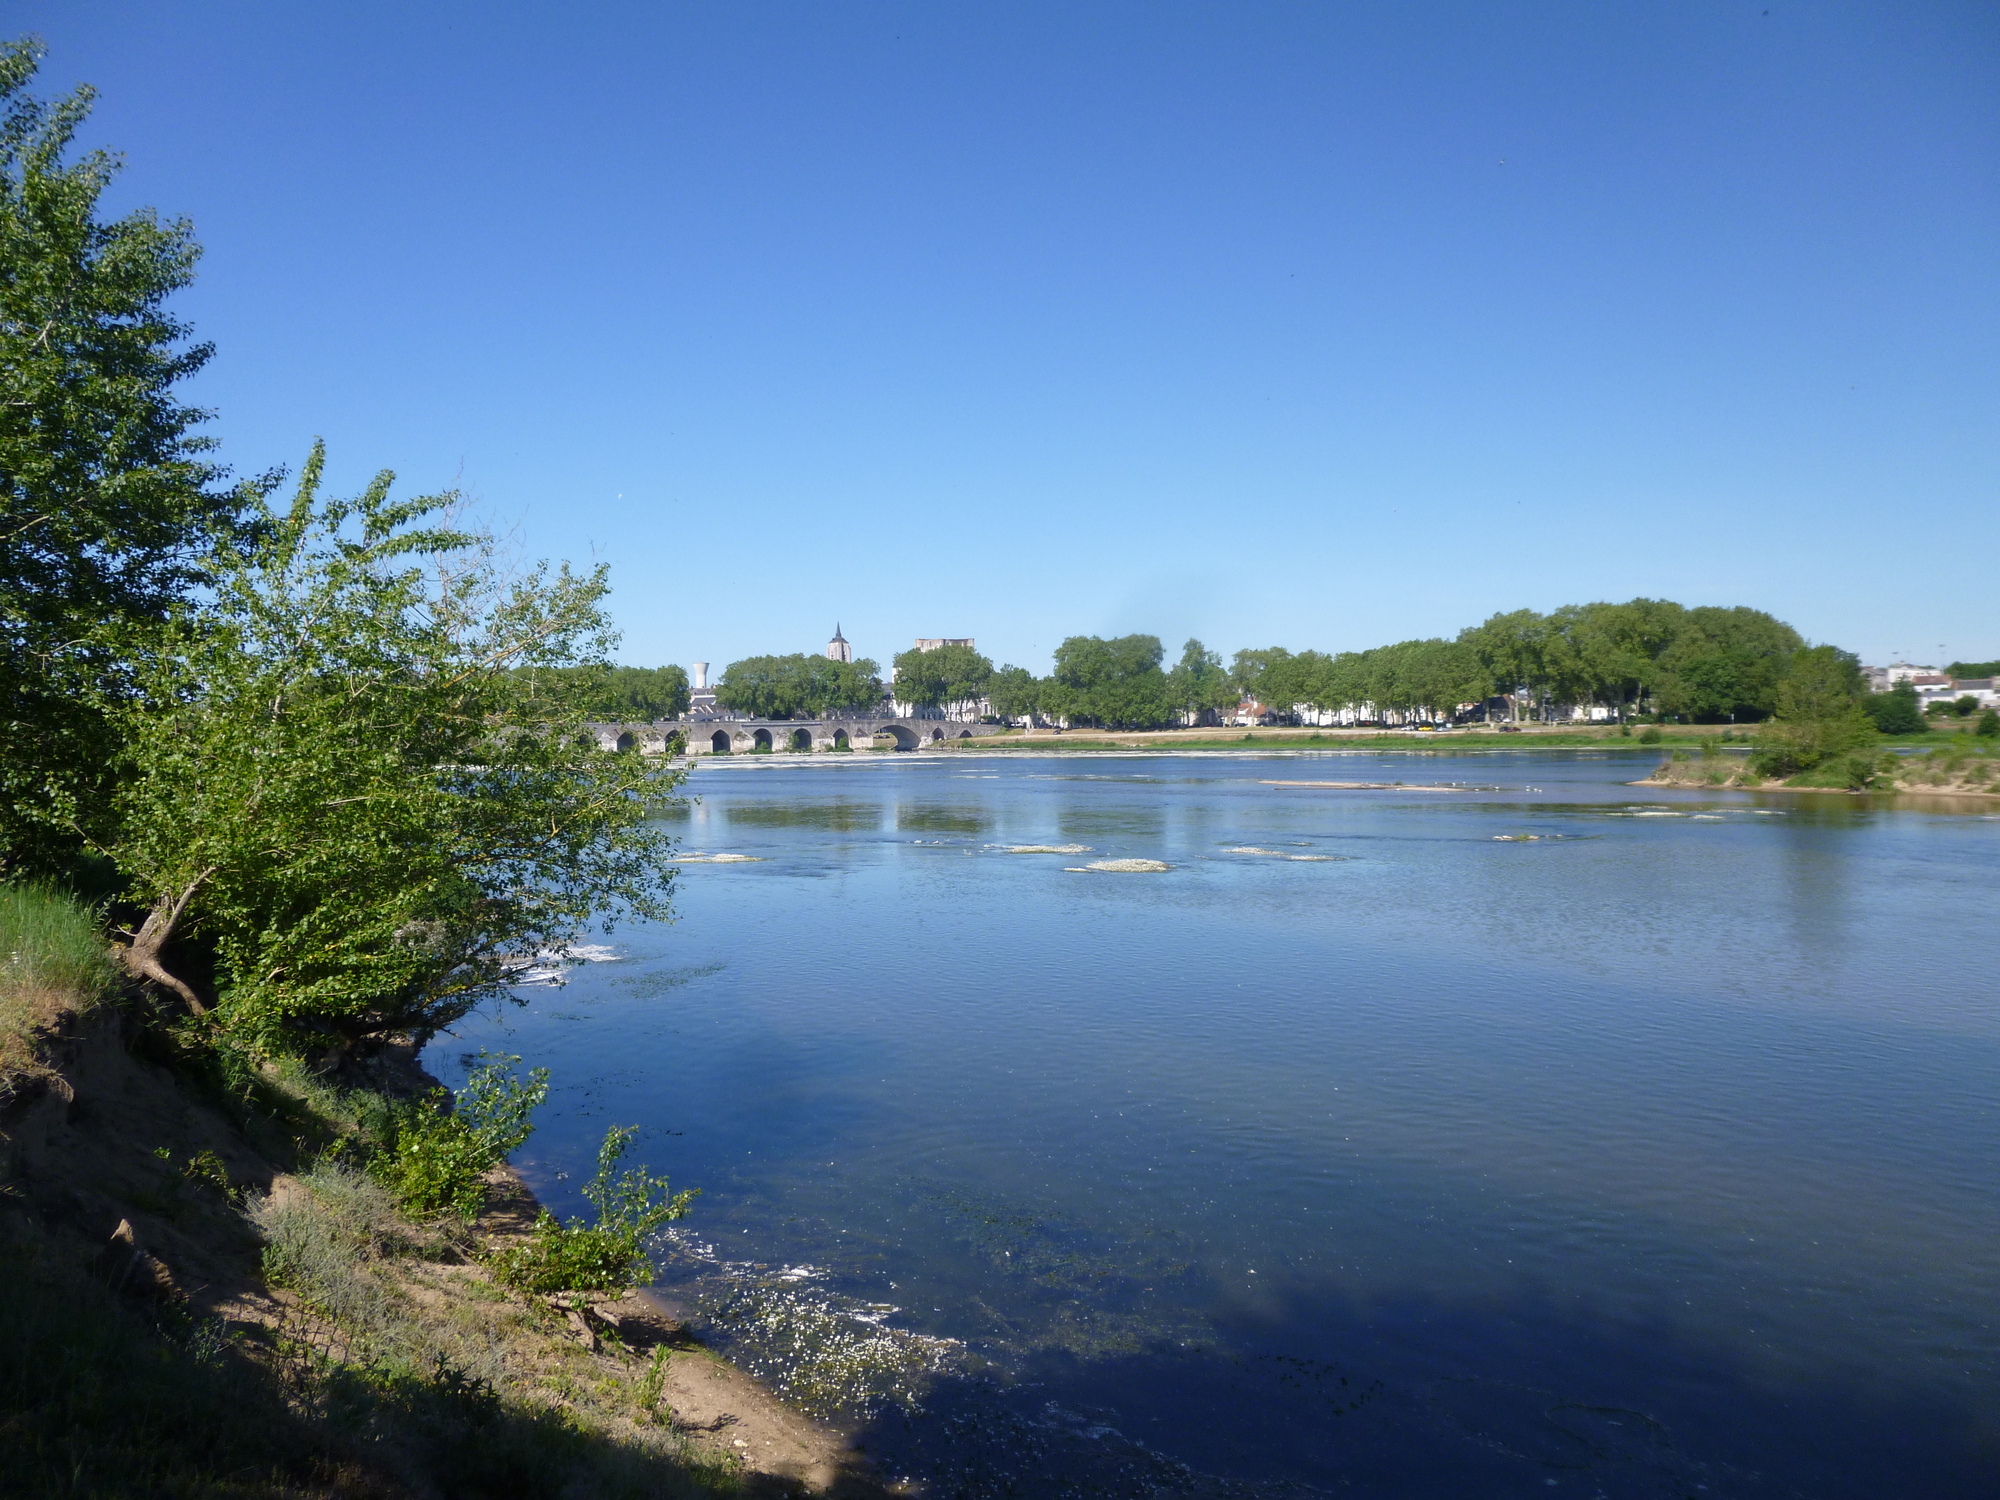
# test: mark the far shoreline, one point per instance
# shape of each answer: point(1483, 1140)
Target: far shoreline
point(1940, 794)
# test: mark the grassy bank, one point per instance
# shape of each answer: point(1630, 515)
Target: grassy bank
point(216, 1288)
point(1961, 766)
point(54, 971)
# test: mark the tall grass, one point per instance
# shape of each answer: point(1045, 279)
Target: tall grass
point(51, 941)
point(53, 959)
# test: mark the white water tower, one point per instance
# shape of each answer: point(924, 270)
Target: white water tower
point(700, 675)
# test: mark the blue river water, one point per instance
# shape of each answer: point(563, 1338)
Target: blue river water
point(1516, 1131)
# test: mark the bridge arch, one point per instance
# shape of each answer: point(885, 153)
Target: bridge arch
point(627, 743)
point(761, 740)
point(718, 742)
point(905, 739)
point(840, 740)
point(802, 739)
point(965, 734)
point(937, 736)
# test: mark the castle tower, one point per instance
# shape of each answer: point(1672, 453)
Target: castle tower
point(837, 649)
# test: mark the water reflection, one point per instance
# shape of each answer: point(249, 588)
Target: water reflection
point(1568, 1131)
point(925, 817)
point(1138, 821)
point(838, 816)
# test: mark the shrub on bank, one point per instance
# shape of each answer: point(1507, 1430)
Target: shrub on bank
point(1820, 719)
point(605, 1259)
point(436, 1149)
point(1897, 711)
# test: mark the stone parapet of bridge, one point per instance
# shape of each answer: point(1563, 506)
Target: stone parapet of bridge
point(799, 736)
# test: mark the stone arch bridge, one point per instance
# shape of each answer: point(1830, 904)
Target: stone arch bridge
point(745, 736)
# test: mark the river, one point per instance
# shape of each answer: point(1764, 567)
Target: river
point(1544, 1135)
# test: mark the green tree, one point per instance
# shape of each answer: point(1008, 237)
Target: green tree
point(649, 693)
point(797, 686)
point(1250, 673)
point(108, 500)
point(1291, 681)
point(1724, 666)
point(1819, 714)
point(1989, 724)
point(1616, 648)
point(1116, 683)
point(1513, 651)
point(1014, 692)
point(1333, 683)
point(947, 675)
point(1973, 669)
point(339, 779)
point(1199, 684)
point(1441, 675)
point(1898, 711)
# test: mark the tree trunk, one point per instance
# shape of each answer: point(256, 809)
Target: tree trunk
point(141, 956)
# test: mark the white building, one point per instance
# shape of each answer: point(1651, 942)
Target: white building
point(1985, 691)
point(701, 697)
point(1881, 679)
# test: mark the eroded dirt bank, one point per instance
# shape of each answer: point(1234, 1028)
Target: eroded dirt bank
point(130, 1189)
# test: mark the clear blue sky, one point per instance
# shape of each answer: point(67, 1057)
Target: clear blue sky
point(1313, 325)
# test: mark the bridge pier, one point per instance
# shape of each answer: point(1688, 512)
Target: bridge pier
point(793, 736)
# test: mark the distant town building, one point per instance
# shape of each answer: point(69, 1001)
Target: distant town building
point(837, 649)
point(1931, 685)
point(1881, 679)
point(939, 642)
point(701, 697)
point(1985, 691)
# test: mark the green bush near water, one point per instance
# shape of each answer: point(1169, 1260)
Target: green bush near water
point(433, 1156)
point(607, 1258)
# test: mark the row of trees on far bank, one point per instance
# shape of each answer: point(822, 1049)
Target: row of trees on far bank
point(798, 686)
point(633, 693)
point(1703, 664)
